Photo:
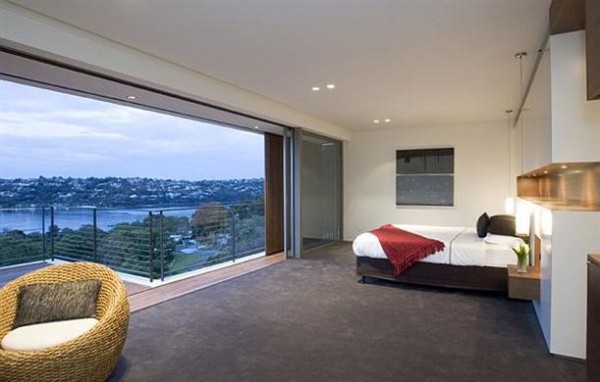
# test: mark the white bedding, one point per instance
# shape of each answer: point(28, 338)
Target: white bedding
point(470, 249)
point(462, 246)
point(367, 244)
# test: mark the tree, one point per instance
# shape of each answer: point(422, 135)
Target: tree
point(77, 244)
point(176, 225)
point(210, 220)
point(127, 246)
point(250, 234)
point(17, 247)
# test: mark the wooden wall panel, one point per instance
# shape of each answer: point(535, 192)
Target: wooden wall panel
point(567, 16)
point(592, 38)
point(593, 319)
point(573, 15)
point(273, 193)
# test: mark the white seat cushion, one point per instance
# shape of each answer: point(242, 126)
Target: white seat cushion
point(45, 335)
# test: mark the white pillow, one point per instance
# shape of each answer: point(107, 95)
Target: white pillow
point(45, 335)
point(507, 241)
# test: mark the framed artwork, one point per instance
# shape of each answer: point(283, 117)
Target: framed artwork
point(425, 177)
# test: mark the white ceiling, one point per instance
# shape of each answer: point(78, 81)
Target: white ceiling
point(419, 62)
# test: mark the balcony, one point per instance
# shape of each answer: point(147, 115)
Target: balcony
point(155, 244)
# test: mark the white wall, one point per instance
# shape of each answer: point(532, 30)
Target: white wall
point(575, 235)
point(34, 33)
point(536, 120)
point(481, 175)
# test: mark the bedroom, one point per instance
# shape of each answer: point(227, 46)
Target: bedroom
point(461, 103)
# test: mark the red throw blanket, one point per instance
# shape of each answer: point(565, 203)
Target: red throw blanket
point(404, 248)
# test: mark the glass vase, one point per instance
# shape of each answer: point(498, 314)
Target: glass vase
point(522, 263)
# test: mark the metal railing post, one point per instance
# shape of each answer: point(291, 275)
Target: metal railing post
point(150, 246)
point(162, 248)
point(52, 233)
point(44, 233)
point(232, 233)
point(95, 233)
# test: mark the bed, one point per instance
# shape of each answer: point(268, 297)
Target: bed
point(467, 261)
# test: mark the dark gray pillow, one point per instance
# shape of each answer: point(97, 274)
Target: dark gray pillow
point(482, 224)
point(502, 225)
point(39, 303)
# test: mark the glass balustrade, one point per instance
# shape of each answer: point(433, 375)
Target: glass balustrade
point(152, 243)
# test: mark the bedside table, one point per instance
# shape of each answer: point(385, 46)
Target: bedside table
point(524, 286)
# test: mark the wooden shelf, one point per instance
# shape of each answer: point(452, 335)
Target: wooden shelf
point(523, 285)
point(563, 186)
point(592, 38)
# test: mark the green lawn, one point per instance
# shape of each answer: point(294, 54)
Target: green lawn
point(181, 262)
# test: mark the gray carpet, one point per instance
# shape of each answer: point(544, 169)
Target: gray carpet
point(309, 320)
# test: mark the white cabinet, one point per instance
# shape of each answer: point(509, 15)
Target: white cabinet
point(575, 120)
point(558, 124)
point(567, 238)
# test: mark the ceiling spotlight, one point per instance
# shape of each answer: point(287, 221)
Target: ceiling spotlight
point(330, 86)
point(256, 127)
point(387, 120)
point(520, 55)
point(316, 88)
point(375, 121)
point(131, 97)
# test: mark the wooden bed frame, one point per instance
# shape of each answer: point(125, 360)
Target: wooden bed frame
point(490, 279)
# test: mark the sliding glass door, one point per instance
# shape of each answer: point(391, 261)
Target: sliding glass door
point(321, 181)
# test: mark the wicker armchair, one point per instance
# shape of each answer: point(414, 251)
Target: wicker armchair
point(89, 357)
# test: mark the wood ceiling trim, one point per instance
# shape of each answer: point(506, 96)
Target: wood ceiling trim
point(567, 16)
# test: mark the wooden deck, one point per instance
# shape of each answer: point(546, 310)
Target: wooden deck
point(166, 292)
point(143, 296)
point(9, 274)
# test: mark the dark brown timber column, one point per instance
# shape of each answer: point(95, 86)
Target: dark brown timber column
point(273, 193)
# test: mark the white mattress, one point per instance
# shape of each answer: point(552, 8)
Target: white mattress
point(462, 246)
point(367, 245)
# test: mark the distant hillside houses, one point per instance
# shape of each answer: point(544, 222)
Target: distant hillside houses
point(125, 192)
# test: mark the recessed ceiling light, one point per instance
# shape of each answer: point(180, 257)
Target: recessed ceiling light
point(387, 120)
point(316, 88)
point(330, 86)
point(256, 127)
point(375, 121)
point(131, 97)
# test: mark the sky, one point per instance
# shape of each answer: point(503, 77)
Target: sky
point(47, 133)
